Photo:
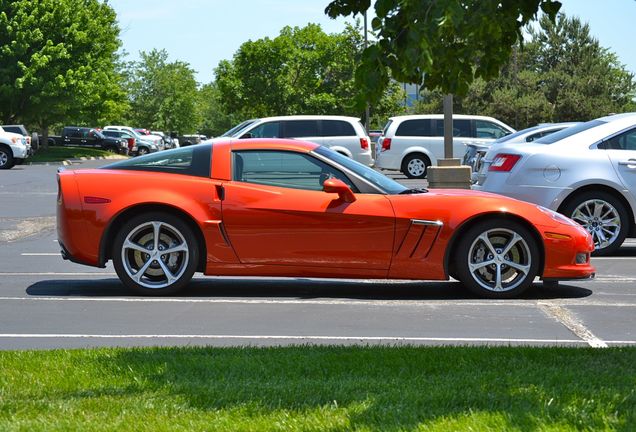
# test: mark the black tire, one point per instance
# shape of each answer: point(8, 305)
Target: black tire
point(6, 158)
point(415, 166)
point(482, 279)
point(142, 151)
point(112, 149)
point(174, 232)
point(603, 227)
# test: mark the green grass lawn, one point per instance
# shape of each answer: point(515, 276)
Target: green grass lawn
point(319, 389)
point(59, 153)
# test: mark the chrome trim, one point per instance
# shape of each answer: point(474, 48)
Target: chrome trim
point(427, 222)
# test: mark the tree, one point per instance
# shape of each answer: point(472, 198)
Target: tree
point(442, 44)
point(301, 71)
point(560, 73)
point(163, 95)
point(57, 61)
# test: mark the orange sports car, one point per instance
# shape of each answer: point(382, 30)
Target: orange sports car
point(291, 208)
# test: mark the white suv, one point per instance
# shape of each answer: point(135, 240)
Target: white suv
point(413, 143)
point(14, 149)
point(346, 135)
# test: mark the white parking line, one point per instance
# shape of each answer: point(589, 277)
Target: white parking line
point(573, 324)
point(344, 302)
point(290, 337)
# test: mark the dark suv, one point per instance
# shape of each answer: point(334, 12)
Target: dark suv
point(88, 137)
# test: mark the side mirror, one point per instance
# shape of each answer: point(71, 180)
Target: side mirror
point(246, 135)
point(334, 185)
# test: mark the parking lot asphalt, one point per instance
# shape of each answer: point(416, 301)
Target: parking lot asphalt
point(46, 302)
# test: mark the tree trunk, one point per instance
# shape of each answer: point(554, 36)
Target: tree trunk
point(44, 141)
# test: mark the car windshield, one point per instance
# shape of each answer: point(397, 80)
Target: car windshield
point(568, 132)
point(383, 182)
point(238, 128)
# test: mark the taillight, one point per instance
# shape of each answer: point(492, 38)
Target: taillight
point(386, 144)
point(504, 162)
point(364, 143)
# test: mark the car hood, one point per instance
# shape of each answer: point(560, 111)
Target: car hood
point(10, 135)
point(457, 205)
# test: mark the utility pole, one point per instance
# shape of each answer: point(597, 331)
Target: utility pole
point(366, 43)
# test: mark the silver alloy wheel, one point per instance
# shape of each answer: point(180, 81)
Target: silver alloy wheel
point(601, 219)
point(416, 167)
point(4, 158)
point(155, 254)
point(499, 259)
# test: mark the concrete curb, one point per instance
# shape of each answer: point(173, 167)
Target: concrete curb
point(76, 161)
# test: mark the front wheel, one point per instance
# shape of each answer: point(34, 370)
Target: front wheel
point(6, 158)
point(603, 216)
point(415, 166)
point(142, 151)
point(497, 259)
point(155, 254)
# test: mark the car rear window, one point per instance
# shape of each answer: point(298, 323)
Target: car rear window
point(386, 127)
point(192, 160)
point(568, 132)
point(337, 128)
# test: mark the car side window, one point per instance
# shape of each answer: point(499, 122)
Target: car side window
point(487, 129)
point(266, 130)
point(624, 141)
point(300, 128)
point(332, 128)
point(284, 169)
point(417, 127)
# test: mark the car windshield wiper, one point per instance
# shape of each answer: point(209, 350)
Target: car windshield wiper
point(413, 191)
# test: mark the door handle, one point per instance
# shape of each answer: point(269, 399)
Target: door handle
point(628, 163)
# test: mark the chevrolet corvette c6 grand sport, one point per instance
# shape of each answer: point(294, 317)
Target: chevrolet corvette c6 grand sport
point(268, 207)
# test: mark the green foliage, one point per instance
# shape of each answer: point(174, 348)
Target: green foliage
point(163, 95)
point(561, 73)
point(438, 44)
point(301, 71)
point(319, 389)
point(57, 62)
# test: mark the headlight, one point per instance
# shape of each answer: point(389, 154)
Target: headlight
point(558, 216)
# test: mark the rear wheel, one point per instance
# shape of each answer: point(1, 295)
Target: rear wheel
point(142, 151)
point(155, 254)
point(497, 259)
point(415, 166)
point(603, 216)
point(6, 158)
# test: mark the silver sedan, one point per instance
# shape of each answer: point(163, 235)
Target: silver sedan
point(586, 172)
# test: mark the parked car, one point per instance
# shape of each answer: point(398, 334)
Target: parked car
point(154, 139)
point(586, 172)
point(297, 209)
point(346, 135)
point(475, 152)
point(193, 139)
point(167, 140)
point(135, 146)
point(413, 143)
point(78, 136)
point(20, 130)
point(14, 149)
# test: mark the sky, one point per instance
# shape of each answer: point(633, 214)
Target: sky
point(204, 32)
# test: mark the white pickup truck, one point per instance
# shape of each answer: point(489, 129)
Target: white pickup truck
point(14, 149)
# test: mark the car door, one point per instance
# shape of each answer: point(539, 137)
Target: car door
point(621, 149)
point(71, 137)
point(275, 212)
